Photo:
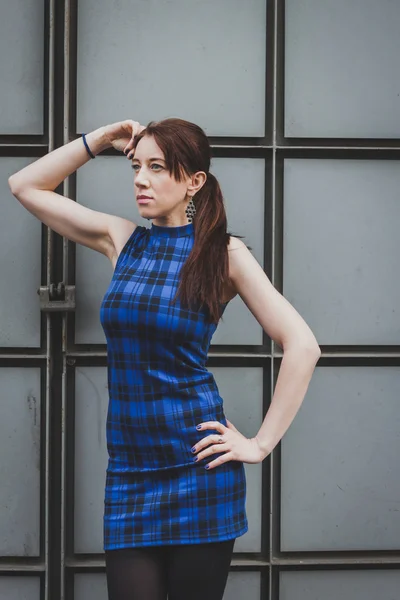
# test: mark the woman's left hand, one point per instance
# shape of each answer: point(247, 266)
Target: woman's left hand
point(230, 441)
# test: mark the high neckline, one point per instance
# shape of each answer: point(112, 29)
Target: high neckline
point(172, 232)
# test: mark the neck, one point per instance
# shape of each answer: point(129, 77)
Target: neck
point(172, 230)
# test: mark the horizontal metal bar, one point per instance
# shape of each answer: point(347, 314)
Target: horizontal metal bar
point(98, 354)
point(237, 151)
point(355, 355)
point(38, 357)
point(337, 561)
point(238, 147)
point(255, 355)
point(27, 145)
point(277, 354)
point(339, 148)
point(216, 354)
point(242, 146)
point(338, 142)
point(243, 562)
point(99, 563)
point(29, 150)
point(360, 355)
point(12, 567)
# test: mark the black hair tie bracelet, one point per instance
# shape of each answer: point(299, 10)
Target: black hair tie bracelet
point(87, 146)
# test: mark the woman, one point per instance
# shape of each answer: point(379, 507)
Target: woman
point(175, 489)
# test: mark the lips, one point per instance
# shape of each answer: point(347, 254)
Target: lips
point(143, 199)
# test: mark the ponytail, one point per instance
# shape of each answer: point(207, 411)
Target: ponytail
point(206, 271)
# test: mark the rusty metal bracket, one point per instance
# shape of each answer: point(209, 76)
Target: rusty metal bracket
point(57, 298)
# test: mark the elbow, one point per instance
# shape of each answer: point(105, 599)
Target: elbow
point(313, 351)
point(308, 347)
point(311, 347)
point(16, 186)
point(316, 351)
point(13, 185)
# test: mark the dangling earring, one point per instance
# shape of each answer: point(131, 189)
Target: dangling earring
point(190, 210)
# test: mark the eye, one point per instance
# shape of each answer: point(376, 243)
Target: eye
point(135, 168)
point(157, 166)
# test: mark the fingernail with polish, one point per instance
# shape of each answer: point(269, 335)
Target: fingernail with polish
point(193, 449)
point(198, 427)
point(207, 467)
point(195, 458)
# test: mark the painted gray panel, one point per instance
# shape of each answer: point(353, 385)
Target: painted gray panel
point(242, 392)
point(242, 585)
point(346, 585)
point(91, 404)
point(202, 60)
point(19, 588)
point(342, 68)
point(106, 184)
point(22, 71)
point(90, 587)
point(243, 186)
point(341, 248)
point(20, 248)
point(239, 586)
point(20, 408)
point(340, 485)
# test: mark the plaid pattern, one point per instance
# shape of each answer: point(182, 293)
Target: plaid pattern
point(187, 505)
point(160, 389)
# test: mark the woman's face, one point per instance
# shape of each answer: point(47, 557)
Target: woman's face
point(163, 198)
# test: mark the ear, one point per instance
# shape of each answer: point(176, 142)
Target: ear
point(196, 182)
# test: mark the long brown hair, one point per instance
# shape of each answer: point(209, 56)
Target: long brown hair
point(206, 271)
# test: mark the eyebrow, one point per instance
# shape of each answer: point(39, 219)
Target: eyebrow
point(150, 159)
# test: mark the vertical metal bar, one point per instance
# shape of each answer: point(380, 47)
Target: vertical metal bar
point(66, 133)
point(47, 458)
point(63, 473)
point(49, 349)
point(273, 277)
point(274, 145)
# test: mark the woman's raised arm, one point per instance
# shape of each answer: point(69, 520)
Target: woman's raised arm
point(34, 187)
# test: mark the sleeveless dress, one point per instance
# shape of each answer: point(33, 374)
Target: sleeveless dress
point(159, 390)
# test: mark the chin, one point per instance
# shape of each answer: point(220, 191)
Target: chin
point(143, 212)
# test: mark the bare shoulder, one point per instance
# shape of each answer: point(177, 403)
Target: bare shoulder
point(231, 291)
point(235, 243)
point(243, 266)
point(237, 252)
point(120, 230)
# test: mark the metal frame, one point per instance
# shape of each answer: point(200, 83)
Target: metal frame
point(58, 355)
point(43, 357)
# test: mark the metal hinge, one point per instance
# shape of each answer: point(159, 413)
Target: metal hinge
point(57, 298)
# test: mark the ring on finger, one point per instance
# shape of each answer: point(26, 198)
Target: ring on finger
point(220, 439)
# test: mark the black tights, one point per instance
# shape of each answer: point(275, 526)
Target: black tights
point(184, 572)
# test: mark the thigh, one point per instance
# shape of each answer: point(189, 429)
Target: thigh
point(199, 571)
point(136, 574)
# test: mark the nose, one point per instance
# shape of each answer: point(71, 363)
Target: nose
point(140, 179)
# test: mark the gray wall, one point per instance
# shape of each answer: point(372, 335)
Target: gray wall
point(301, 100)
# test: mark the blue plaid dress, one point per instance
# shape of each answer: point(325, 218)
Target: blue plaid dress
point(159, 390)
